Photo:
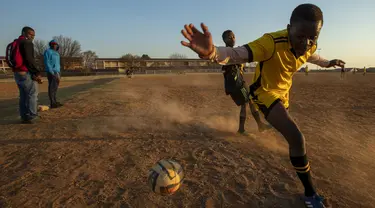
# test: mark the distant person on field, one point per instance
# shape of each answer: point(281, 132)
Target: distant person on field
point(307, 70)
point(236, 87)
point(52, 65)
point(364, 71)
point(20, 57)
point(129, 72)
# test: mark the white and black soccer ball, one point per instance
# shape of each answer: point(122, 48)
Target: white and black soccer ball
point(165, 177)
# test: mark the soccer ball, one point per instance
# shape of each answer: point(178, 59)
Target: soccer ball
point(43, 108)
point(165, 177)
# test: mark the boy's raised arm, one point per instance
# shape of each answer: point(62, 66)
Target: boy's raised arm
point(202, 44)
point(322, 62)
point(229, 55)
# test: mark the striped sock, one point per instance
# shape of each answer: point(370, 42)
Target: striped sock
point(302, 167)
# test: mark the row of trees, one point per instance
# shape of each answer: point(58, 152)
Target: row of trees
point(69, 48)
point(146, 57)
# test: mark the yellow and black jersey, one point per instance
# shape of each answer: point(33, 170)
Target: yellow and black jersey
point(276, 66)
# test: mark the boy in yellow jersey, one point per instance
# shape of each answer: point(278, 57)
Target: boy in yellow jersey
point(235, 86)
point(364, 71)
point(280, 54)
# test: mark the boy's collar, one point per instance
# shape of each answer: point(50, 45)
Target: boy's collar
point(290, 46)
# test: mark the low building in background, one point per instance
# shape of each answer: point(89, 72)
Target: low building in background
point(4, 68)
point(153, 64)
point(75, 64)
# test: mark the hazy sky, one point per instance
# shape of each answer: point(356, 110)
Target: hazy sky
point(116, 27)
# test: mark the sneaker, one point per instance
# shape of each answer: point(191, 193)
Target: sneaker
point(30, 121)
point(315, 201)
point(56, 105)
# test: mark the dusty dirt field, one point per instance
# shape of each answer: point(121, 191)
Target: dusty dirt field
point(96, 151)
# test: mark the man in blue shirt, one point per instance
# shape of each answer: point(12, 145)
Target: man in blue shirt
point(52, 64)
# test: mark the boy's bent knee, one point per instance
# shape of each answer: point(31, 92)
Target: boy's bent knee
point(279, 118)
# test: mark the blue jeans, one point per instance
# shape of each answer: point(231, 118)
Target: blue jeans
point(28, 103)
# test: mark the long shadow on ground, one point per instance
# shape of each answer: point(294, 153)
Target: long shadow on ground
point(9, 108)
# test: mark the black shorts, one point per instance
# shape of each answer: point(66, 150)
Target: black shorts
point(240, 96)
point(266, 111)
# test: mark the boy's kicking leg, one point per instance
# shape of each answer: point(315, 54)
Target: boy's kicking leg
point(241, 128)
point(243, 115)
point(280, 119)
point(261, 125)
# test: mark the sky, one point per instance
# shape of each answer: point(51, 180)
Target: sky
point(113, 28)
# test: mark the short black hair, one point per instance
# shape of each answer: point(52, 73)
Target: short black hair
point(225, 33)
point(26, 29)
point(309, 12)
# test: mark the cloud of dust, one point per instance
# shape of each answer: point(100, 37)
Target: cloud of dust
point(174, 112)
point(167, 111)
point(198, 81)
point(203, 80)
point(154, 112)
point(129, 95)
point(274, 142)
point(220, 123)
point(157, 112)
point(153, 109)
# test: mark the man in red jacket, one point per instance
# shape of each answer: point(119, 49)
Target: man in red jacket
point(27, 77)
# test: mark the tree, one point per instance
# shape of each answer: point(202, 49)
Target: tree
point(145, 56)
point(68, 47)
point(177, 56)
point(39, 47)
point(88, 59)
point(70, 51)
point(129, 56)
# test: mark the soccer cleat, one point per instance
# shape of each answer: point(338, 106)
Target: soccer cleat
point(315, 201)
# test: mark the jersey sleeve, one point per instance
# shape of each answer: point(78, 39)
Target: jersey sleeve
point(262, 48)
point(229, 55)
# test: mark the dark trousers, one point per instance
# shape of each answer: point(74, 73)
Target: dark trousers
point(53, 85)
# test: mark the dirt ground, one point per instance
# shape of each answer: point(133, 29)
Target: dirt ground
point(96, 150)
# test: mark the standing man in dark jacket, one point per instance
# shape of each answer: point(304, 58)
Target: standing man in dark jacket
point(52, 65)
point(27, 77)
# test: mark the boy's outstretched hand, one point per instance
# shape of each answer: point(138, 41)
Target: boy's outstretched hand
point(200, 43)
point(336, 62)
